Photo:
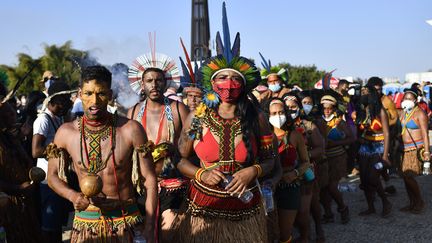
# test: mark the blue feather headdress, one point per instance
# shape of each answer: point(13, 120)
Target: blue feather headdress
point(229, 58)
point(268, 69)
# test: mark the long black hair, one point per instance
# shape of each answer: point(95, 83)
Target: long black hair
point(305, 93)
point(368, 103)
point(249, 121)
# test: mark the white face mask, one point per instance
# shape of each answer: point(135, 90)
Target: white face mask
point(295, 114)
point(277, 120)
point(307, 109)
point(327, 119)
point(407, 105)
point(351, 92)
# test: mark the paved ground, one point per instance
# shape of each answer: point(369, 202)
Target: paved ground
point(398, 227)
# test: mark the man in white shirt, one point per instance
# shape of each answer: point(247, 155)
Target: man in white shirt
point(44, 129)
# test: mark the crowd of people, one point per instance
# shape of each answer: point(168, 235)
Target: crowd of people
point(239, 155)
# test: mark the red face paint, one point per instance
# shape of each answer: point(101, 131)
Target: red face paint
point(228, 90)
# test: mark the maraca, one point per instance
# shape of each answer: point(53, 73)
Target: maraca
point(91, 185)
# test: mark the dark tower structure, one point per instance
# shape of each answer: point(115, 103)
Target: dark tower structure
point(200, 34)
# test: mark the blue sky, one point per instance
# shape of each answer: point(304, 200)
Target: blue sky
point(387, 38)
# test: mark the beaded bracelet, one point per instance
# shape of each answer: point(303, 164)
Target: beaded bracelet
point(259, 170)
point(198, 174)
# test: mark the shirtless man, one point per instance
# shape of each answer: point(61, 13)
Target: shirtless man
point(162, 120)
point(100, 145)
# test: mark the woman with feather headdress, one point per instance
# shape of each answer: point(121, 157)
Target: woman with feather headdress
point(234, 144)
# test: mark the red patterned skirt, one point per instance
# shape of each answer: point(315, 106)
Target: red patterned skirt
point(215, 216)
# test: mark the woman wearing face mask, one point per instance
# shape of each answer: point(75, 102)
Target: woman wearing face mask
point(315, 147)
point(307, 104)
point(373, 130)
point(234, 143)
point(295, 162)
point(415, 137)
point(337, 135)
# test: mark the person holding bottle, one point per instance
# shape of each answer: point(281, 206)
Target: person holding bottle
point(300, 105)
point(234, 143)
point(374, 133)
point(295, 163)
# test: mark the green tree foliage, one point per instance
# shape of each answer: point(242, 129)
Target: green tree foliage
point(63, 61)
point(4, 78)
point(304, 76)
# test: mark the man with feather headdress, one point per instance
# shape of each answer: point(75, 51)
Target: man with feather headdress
point(162, 118)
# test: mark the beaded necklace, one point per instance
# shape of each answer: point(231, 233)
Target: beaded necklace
point(94, 155)
point(406, 118)
point(226, 130)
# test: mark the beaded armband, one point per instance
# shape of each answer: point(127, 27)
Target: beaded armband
point(266, 148)
point(198, 174)
point(145, 149)
point(52, 151)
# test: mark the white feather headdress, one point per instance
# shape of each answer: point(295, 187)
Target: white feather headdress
point(153, 60)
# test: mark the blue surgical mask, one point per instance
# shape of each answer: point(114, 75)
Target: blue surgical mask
point(275, 87)
point(307, 108)
point(48, 83)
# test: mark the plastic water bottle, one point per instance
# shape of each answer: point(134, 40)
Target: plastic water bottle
point(352, 187)
point(343, 187)
point(268, 198)
point(245, 197)
point(379, 165)
point(139, 238)
point(426, 168)
point(2, 235)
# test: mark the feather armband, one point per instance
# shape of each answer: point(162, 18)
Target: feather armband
point(52, 151)
point(162, 151)
point(145, 149)
point(195, 130)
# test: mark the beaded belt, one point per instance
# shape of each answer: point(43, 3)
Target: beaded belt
point(213, 201)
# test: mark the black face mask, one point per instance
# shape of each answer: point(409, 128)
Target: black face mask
point(364, 100)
